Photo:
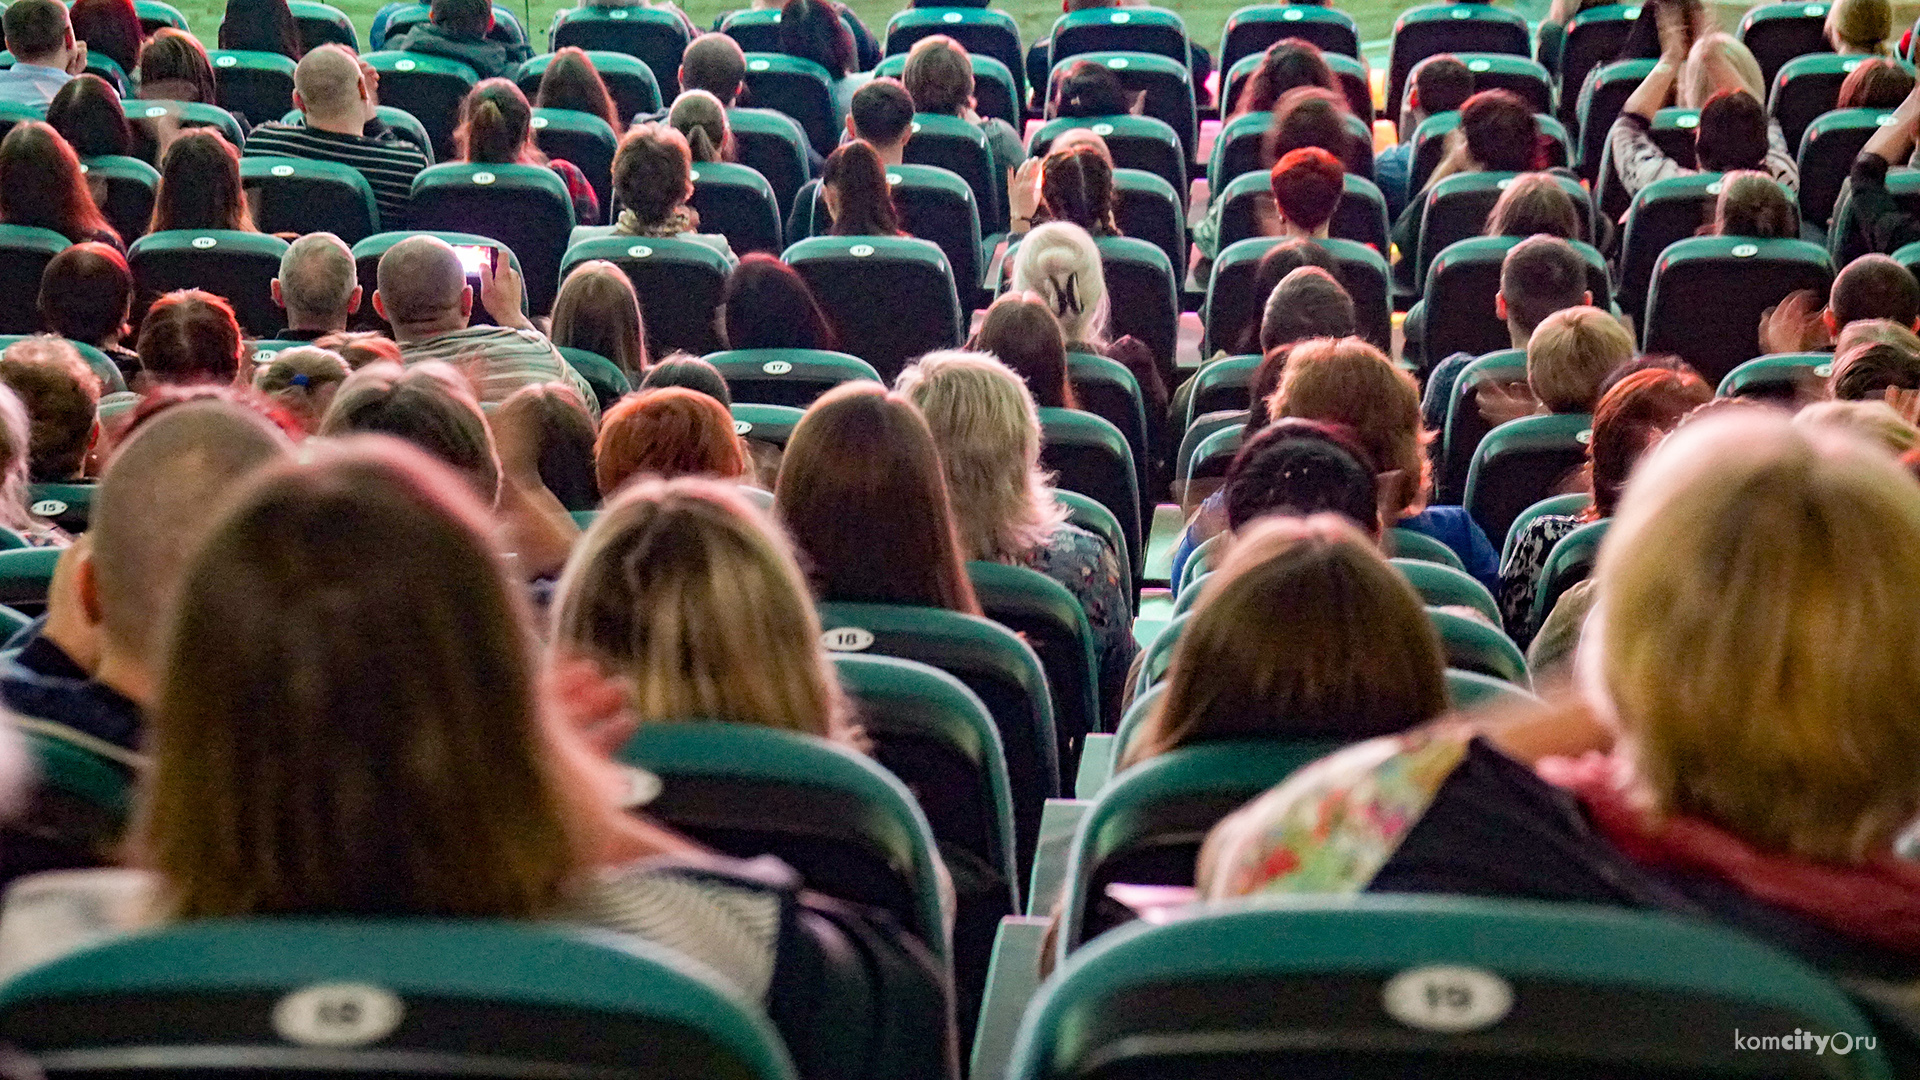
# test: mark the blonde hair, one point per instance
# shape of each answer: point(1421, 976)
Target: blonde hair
point(303, 380)
point(684, 589)
point(15, 458)
point(1875, 421)
point(1718, 61)
point(1571, 353)
point(1060, 263)
point(1347, 381)
point(987, 429)
point(1862, 25)
point(1759, 634)
point(701, 117)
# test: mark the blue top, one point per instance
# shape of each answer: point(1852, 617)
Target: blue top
point(1392, 171)
point(1451, 525)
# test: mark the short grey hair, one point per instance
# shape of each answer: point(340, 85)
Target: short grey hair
point(317, 276)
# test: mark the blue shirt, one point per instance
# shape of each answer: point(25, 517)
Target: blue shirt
point(1451, 525)
point(1392, 171)
point(31, 84)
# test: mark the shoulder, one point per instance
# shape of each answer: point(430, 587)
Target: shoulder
point(727, 913)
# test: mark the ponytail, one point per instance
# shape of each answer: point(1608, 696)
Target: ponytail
point(497, 126)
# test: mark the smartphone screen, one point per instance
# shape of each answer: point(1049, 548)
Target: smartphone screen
point(473, 257)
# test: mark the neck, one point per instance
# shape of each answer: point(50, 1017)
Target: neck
point(1290, 231)
point(892, 154)
point(405, 333)
point(50, 60)
point(317, 324)
point(340, 123)
point(122, 673)
point(1518, 335)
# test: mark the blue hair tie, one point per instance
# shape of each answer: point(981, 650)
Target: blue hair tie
point(301, 380)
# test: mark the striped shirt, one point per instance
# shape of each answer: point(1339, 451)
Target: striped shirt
point(388, 164)
point(501, 361)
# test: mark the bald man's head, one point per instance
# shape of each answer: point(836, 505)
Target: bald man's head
point(161, 492)
point(422, 285)
point(327, 81)
point(318, 284)
point(714, 63)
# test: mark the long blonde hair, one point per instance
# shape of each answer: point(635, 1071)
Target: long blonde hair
point(988, 431)
point(1758, 634)
point(683, 588)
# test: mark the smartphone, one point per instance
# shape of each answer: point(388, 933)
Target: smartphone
point(473, 257)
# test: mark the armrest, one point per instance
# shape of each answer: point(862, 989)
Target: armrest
point(1096, 764)
point(1012, 976)
point(1059, 819)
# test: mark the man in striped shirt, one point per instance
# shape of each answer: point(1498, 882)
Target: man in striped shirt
point(422, 290)
point(337, 99)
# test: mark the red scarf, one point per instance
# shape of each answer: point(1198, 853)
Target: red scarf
point(1878, 902)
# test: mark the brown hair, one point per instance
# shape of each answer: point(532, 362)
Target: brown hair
point(200, 185)
point(428, 405)
point(1021, 332)
point(1347, 381)
point(857, 178)
point(496, 126)
point(572, 82)
point(1286, 64)
point(668, 431)
point(1305, 632)
point(361, 347)
point(172, 55)
point(597, 310)
point(60, 393)
point(41, 184)
point(1532, 204)
point(1754, 204)
point(373, 667)
point(1076, 185)
point(1878, 83)
point(86, 292)
point(938, 75)
point(190, 336)
point(652, 172)
point(88, 114)
point(862, 495)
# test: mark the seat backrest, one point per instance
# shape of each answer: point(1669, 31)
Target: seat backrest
point(737, 202)
point(1361, 216)
point(1443, 586)
point(256, 85)
point(1473, 644)
point(1662, 213)
point(1449, 28)
point(1143, 295)
point(1707, 294)
point(1167, 83)
point(1231, 306)
point(25, 576)
point(1052, 621)
point(1462, 283)
point(1456, 209)
point(1566, 505)
point(142, 114)
point(1520, 75)
point(1251, 31)
point(890, 298)
point(995, 94)
point(953, 144)
point(608, 382)
point(1778, 376)
point(1374, 985)
point(1221, 385)
point(678, 281)
point(323, 24)
point(628, 79)
point(130, 185)
point(395, 998)
point(655, 35)
point(525, 207)
point(1136, 142)
point(1407, 544)
point(994, 663)
point(1674, 131)
point(1521, 462)
point(239, 266)
point(66, 505)
point(301, 196)
point(584, 140)
point(1605, 91)
point(792, 377)
point(1091, 456)
point(429, 87)
point(773, 145)
point(1845, 239)
point(1594, 37)
point(1109, 391)
point(1777, 32)
point(1465, 427)
point(25, 251)
point(1570, 562)
point(1350, 72)
point(799, 88)
point(1807, 86)
point(937, 205)
point(154, 14)
point(753, 29)
point(1147, 208)
point(1827, 151)
point(769, 424)
point(1093, 516)
point(1134, 29)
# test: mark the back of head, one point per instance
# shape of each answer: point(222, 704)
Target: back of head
point(862, 200)
point(812, 30)
point(1875, 286)
point(572, 82)
point(495, 125)
point(1076, 186)
point(1021, 332)
point(1864, 331)
point(666, 432)
point(1088, 89)
point(88, 114)
point(371, 657)
point(563, 436)
point(1539, 276)
point(1878, 83)
point(302, 381)
point(1570, 355)
point(597, 310)
point(1060, 263)
point(41, 184)
point(35, 29)
point(691, 372)
point(1284, 258)
point(1347, 381)
point(1287, 64)
point(1871, 421)
point(428, 405)
point(420, 282)
point(1867, 371)
point(1785, 561)
point(1305, 632)
point(1732, 132)
point(714, 63)
point(652, 172)
point(1631, 418)
point(1297, 468)
point(1441, 84)
point(1719, 62)
point(260, 26)
point(862, 495)
point(360, 347)
point(985, 424)
point(60, 393)
point(190, 336)
point(317, 279)
point(1859, 26)
point(469, 19)
point(85, 292)
point(328, 80)
point(702, 119)
point(1309, 116)
point(1308, 303)
point(1754, 204)
point(767, 305)
point(882, 112)
point(156, 501)
point(1079, 136)
point(1307, 185)
point(200, 185)
point(939, 76)
point(1533, 204)
point(684, 590)
point(1501, 131)
point(173, 62)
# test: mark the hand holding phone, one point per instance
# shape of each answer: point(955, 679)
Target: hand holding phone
point(501, 291)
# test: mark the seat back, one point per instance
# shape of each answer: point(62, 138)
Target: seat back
point(1167, 84)
point(1594, 37)
point(1472, 644)
point(1430, 140)
point(655, 35)
point(953, 144)
point(1664, 212)
point(66, 505)
point(256, 85)
point(1567, 505)
point(323, 24)
point(1143, 295)
point(753, 29)
point(1602, 94)
point(142, 114)
point(628, 79)
point(986, 34)
point(130, 184)
point(1221, 385)
point(799, 88)
point(429, 87)
point(849, 276)
point(737, 202)
point(1378, 985)
point(1465, 427)
point(773, 145)
point(25, 576)
point(1231, 306)
point(1252, 30)
point(608, 382)
point(300, 196)
point(1089, 455)
point(1407, 544)
point(792, 377)
point(678, 281)
point(1777, 32)
point(587, 142)
point(525, 207)
point(1449, 28)
point(1780, 377)
point(25, 251)
point(154, 14)
point(1827, 151)
point(1361, 216)
point(1147, 208)
point(994, 663)
point(399, 998)
point(1136, 142)
point(1570, 562)
point(1522, 76)
point(403, 123)
point(1806, 87)
point(1135, 29)
point(1708, 293)
point(239, 266)
point(1109, 391)
point(1521, 462)
point(1461, 315)
point(995, 93)
point(1051, 620)
point(939, 206)
point(1443, 586)
point(1090, 514)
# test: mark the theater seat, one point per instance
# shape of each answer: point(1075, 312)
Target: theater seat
point(1407, 544)
point(322, 24)
point(1049, 618)
point(655, 35)
point(608, 382)
point(994, 91)
point(1250, 31)
point(1361, 216)
point(1430, 138)
point(394, 21)
point(1091, 456)
point(1443, 586)
point(986, 33)
point(256, 85)
point(628, 79)
point(1602, 96)
point(1778, 376)
point(792, 377)
point(953, 144)
point(402, 998)
point(1521, 462)
point(154, 14)
point(1231, 306)
point(130, 184)
point(773, 145)
point(799, 88)
point(140, 114)
point(1241, 148)
point(1592, 39)
point(525, 207)
point(1465, 427)
point(1136, 142)
point(1827, 151)
point(68, 505)
point(1777, 32)
point(429, 87)
point(25, 251)
point(891, 298)
point(1567, 505)
point(1458, 312)
point(1108, 390)
point(1473, 644)
point(297, 195)
point(1167, 84)
point(1449, 28)
point(678, 281)
point(1806, 87)
point(1570, 562)
point(25, 576)
point(1844, 239)
point(1220, 385)
point(1147, 208)
point(736, 202)
point(1708, 293)
point(584, 140)
point(1664, 212)
point(1351, 73)
point(236, 265)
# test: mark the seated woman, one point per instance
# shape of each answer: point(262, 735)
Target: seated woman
point(767, 305)
point(111, 28)
point(1071, 184)
point(87, 112)
point(1286, 64)
point(200, 186)
point(666, 432)
point(597, 310)
point(813, 30)
point(1631, 418)
point(572, 82)
point(1020, 332)
point(1879, 82)
point(653, 180)
point(863, 498)
point(1088, 90)
point(1745, 727)
point(302, 382)
point(984, 422)
point(41, 184)
point(854, 187)
point(174, 67)
point(496, 128)
point(1754, 204)
point(1859, 27)
point(1305, 632)
point(261, 26)
point(702, 119)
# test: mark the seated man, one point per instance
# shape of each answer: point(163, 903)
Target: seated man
point(457, 30)
point(939, 76)
point(336, 102)
point(1539, 276)
point(60, 392)
point(1439, 84)
point(423, 292)
point(45, 54)
point(716, 64)
point(318, 287)
point(1872, 286)
point(86, 295)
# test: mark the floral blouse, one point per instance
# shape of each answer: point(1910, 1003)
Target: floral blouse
point(1090, 571)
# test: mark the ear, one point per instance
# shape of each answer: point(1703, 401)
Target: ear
point(851, 134)
point(88, 586)
point(466, 300)
point(379, 305)
point(1139, 104)
point(299, 102)
point(1827, 320)
point(1586, 298)
point(353, 299)
point(1386, 494)
point(279, 298)
point(1500, 306)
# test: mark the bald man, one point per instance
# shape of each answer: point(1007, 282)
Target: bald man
point(336, 99)
point(423, 292)
point(318, 287)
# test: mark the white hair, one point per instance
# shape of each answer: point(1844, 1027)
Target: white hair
point(1061, 264)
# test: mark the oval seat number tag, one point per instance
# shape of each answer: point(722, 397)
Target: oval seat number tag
point(49, 508)
point(1447, 998)
point(776, 367)
point(847, 639)
point(338, 1014)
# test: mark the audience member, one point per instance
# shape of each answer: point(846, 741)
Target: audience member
point(1287, 64)
point(1538, 276)
point(597, 310)
point(854, 187)
point(174, 67)
point(572, 82)
point(692, 372)
point(1059, 263)
point(41, 185)
point(1859, 27)
point(766, 304)
point(1867, 371)
point(653, 181)
point(200, 185)
point(112, 29)
point(318, 287)
point(1754, 204)
point(86, 295)
point(303, 381)
point(1438, 84)
point(261, 26)
point(87, 112)
point(1307, 303)
point(813, 30)
point(1304, 117)
point(458, 30)
point(360, 347)
point(1070, 184)
point(1879, 82)
point(1089, 91)
point(1872, 287)
point(496, 128)
point(561, 436)
point(666, 432)
point(939, 77)
point(189, 336)
point(45, 54)
point(881, 115)
point(1498, 133)
point(16, 453)
point(1871, 421)
point(700, 118)
point(714, 63)
point(60, 393)
point(1535, 204)
point(427, 404)
point(1020, 331)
